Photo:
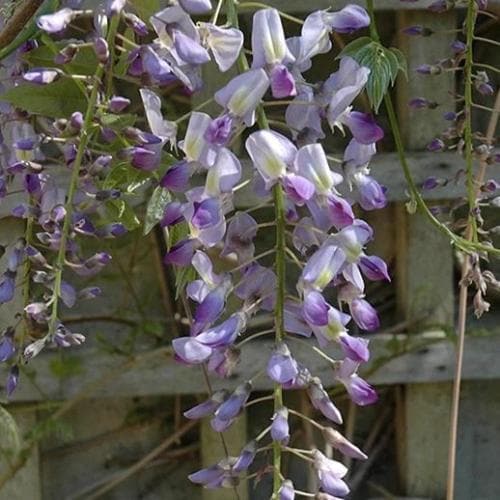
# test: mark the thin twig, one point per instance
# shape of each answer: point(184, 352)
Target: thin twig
point(18, 21)
point(169, 441)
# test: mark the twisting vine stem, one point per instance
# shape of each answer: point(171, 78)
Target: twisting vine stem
point(458, 241)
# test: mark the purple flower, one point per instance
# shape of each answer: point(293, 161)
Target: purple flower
point(223, 361)
point(436, 145)
point(211, 477)
point(458, 47)
point(117, 104)
point(371, 194)
point(240, 234)
point(12, 380)
point(421, 102)
point(137, 24)
point(101, 50)
point(363, 127)
point(298, 189)
point(114, 7)
point(243, 94)
point(417, 30)
point(188, 350)
point(374, 268)
point(429, 69)
point(347, 20)
point(225, 333)
point(233, 405)
point(56, 22)
point(142, 158)
point(225, 43)
point(271, 154)
point(219, 130)
point(358, 389)
point(355, 348)
point(321, 401)
point(246, 458)
point(206, 213)
point(282, 367)
point(286, 491)
point(258, 284)
point(177, 177)
point(7, 287)
point(364, 315)
point(280, 430)
point(42, 76)
point(7, 346)
point(196, 6)
point(282, 83)
point(208, 407)
point(339, 442)
point(323, 266)
point(343, 86)
point(269, 46)
point(330, 474)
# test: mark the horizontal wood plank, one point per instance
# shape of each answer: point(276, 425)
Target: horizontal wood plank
point(301, 6)
point(158, 374)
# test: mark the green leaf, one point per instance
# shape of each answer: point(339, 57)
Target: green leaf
point(155, 208)
point(384, 65)
point(146, 8)
point(117, 122)
point(55, 100)
point(10, 443)
point(353, 48)
point(121, 211)
point(402, 62)
point(84, 63)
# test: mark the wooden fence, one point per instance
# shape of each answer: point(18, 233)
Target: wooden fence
point(117, 408)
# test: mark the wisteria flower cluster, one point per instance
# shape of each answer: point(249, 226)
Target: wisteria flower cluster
point(316, 226)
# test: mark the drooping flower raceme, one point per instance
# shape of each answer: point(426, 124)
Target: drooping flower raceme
point(216, 250)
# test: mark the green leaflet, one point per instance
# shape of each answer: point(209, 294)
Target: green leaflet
point(155, 208)
point(84, 62)
point(56, 100)
point(10, 444)
point(384, 64)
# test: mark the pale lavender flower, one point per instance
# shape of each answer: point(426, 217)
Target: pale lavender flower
point(42, 76)
point(282, 367)
point(56, 22)
point(280, 430)
point(240, 234)
point(322, 402)
point(224, 43)
point(339, 442)
point(196, 6)
point(358, 389)
point(176, 178)
point(208, 407)
point(12, 380)
point(246, 458)
point(347, 20)
point(286, 491)
point(330, 474)
point(7, 346)
point(117, 104)
point(243, 94)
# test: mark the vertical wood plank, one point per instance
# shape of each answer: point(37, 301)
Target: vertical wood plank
point(27, 483)
point(212, 451)
point(425, 261)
